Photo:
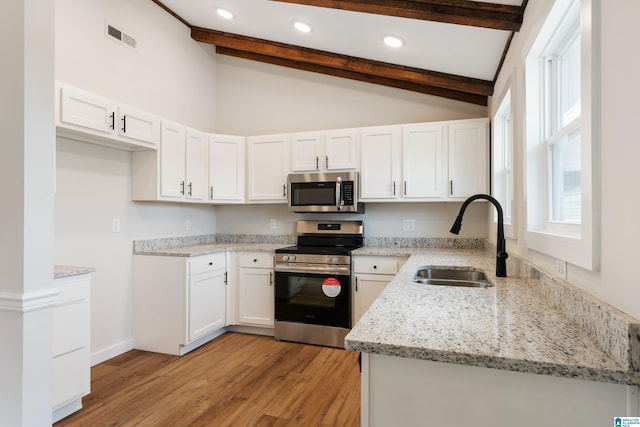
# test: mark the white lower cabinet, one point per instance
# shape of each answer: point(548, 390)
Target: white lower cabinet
point(179, 303)
point(400, 391)
point(255, 289)
point(371, 275)
point(71, 340)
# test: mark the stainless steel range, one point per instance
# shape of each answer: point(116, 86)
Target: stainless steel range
point(313, 283)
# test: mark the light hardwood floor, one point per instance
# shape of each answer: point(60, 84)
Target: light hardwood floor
point(235, 380)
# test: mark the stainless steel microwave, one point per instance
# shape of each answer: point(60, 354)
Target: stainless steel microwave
point(324, 192)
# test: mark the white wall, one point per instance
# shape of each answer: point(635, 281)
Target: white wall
point(255, 98)
point(616, 282)
point(170, 75)
point(380, 219)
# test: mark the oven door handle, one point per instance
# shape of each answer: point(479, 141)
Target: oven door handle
point(313, 268)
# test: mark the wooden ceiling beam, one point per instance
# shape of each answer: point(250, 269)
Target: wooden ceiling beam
point(462, 12)
point(364, 69)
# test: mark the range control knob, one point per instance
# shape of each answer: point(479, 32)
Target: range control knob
point(292, 257)
point(285, 257)
point(335, 260)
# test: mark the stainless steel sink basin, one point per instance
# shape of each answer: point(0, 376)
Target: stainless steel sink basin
point(443, 276)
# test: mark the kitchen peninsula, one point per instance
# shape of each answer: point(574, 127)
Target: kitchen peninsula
point(487, 356)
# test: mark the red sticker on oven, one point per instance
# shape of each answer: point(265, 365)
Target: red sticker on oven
point(331, 287)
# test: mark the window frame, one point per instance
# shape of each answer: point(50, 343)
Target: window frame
point(578, 244)
point(503, 159)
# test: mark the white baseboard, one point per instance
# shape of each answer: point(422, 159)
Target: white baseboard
point(110, 352)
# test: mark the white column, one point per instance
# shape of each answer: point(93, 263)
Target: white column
point(27, 151)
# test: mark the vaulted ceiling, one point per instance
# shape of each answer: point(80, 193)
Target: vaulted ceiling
point(452, 48)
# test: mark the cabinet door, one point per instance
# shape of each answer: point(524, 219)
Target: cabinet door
point(207, 302)
point(422, 161)
point(268, 163)
point(367, 288)
point(172, 160)
point(195, 165)
point(307, 152)
point(256, 298)
point(138, 126)
point(341, 148)
point(380, 163)
point(226, 168)
point(467, 152)
point(87, 111)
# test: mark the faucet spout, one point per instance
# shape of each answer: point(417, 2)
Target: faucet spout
point(501, 251)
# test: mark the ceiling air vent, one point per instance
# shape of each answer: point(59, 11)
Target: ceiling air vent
point(121, 37)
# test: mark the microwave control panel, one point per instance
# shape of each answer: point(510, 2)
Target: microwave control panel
point(347, 193)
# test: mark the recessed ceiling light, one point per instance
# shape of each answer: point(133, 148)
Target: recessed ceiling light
point(224, 13)
point(302, 27)
point(392, 41)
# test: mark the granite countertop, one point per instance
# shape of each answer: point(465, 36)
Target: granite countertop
point(60, 271)
point(206, 249)
point(507, 326)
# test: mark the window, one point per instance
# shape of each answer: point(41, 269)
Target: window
point(503, 162)
point(561, 128)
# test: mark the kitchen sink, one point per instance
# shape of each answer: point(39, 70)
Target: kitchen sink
point(456, 276)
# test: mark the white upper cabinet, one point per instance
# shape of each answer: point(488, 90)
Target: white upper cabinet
point(172, 160)
point(324, 151)
point(92, 118)
point(268, 164)
point(307, 152)
point(467, 158)
point(380, 163)
point(423, 161)
point(175, 172)
point(138, 126)
point(195, 165)
point(226, 168)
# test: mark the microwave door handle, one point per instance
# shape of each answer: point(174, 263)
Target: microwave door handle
point(339, 193)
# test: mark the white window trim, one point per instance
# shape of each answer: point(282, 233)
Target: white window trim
point(510, 226)
point(582, 250)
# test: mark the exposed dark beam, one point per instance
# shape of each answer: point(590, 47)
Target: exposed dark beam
point(463, 12)
point(348, 64)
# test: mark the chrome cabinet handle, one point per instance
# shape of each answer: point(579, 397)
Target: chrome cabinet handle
point(211, 192)
point(326, 162)
point(113, 120)
point(190, 189)
point(394, 188)
point(182, 188)
point(317, 163)
point(356, 284)
point(270, 279)
point(405, 187)
point(284, 190)
point(124, 124)
point(451, 188)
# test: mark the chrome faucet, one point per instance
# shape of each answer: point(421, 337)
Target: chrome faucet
point(501, 252)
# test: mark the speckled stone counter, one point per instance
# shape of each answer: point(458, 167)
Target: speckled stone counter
point(210, 244)
point(511, 326)
point(60, 271)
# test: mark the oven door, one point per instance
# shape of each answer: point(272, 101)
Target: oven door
point(313, 294)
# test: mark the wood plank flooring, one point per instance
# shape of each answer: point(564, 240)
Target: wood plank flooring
point(235, 380)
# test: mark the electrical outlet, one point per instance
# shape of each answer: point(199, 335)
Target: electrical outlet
point(561, 268)
point(408, 224)
point(115, 225)
point(187, 224)
point(273, 223)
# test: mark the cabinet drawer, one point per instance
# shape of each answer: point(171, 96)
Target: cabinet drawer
point(70, 377)
point(72, 290)
point(377, 264)
point(70, 327)
point(256, 259)
point(207, 263)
